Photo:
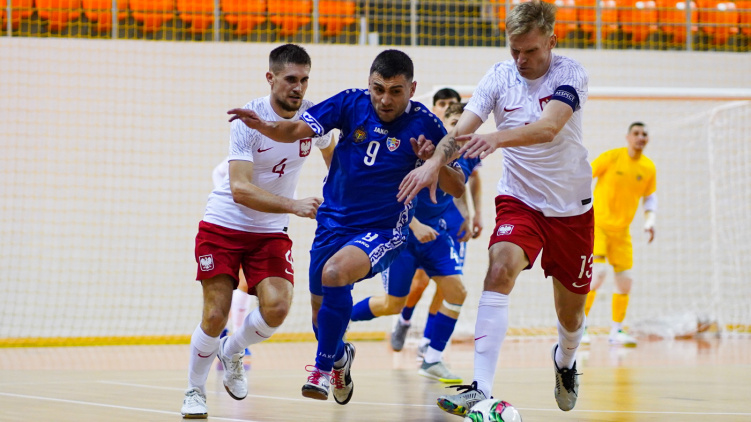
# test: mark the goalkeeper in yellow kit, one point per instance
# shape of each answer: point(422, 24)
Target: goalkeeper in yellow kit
point(624, 175)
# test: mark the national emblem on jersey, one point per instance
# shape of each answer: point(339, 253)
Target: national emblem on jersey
point(392, 143)
point(207, 262)
point(359, 135)
point(505, 230)
point(305, 145)
point(544, 101)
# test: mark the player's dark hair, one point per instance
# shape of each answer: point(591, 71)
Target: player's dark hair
point(287, 54)
point(391, 63)
point(634, 124)
point(445, 94)
point(454, 108)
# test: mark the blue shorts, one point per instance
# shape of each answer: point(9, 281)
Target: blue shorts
point(453, 220)
point(438, 258)
point(382, 247)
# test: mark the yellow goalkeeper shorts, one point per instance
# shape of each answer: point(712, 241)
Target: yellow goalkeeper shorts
point(615, 246)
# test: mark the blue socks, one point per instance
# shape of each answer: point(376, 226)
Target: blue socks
point(333, 318)
point(407, 313)
point(443, 327)
point(361, 311)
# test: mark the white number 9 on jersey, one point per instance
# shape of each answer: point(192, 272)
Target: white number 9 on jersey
point(371, 152)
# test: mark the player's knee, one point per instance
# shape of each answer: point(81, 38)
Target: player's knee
point(332, 275)
point(454, 292)
point(623, 282)
point(214, 320)
point(571, 321)
point(394, 305)
point(501, 277)
point(275, 312)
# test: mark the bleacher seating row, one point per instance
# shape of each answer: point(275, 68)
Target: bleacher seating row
point(717, 20)
point(198, 15)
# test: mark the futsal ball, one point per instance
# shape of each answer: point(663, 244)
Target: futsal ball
point(493, 410)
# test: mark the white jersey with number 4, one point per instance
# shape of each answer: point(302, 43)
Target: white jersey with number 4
point(554, 178)
point(276, 169)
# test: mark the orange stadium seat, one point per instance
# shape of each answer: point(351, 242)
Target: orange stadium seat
point(588, 16)
point(638, 18)
point(198, 13)
point(335, 15)
point(152, 13)
point(58, 12)
point(744, 16)
point(565, 18)
point(244, 15)
point(672, 17)
point(718, 18)
point(100, 11)
point(22, 9)
point(290, 15)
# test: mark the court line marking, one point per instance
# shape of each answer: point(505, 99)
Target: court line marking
point(636, 412)
point(112, 406)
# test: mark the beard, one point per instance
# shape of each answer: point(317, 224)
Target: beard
point(286, 106)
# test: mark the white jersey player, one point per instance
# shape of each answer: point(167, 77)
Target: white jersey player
point(545, 197)
point(245, 227)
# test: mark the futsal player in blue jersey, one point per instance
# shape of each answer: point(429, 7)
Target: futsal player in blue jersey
point(362, 226)
point(433, 245)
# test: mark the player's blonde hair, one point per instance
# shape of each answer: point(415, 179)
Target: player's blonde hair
point(526, 17)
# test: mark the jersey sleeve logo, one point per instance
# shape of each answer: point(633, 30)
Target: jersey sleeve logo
point(392, 144)
point(305, 145)
point(359, 135)
point(313, 123)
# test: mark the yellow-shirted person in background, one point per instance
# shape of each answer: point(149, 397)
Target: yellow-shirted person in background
point(624, 175)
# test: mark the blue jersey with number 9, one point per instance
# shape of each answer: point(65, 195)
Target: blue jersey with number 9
point(370, 161)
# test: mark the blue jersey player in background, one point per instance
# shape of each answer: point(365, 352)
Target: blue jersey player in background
point(362, 226)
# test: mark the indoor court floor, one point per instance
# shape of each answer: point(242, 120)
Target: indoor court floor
point(678, 380)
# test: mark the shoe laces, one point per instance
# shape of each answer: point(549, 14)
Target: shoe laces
point(337, 378)
point(193, 397)
point(464, 388)
point(568, 378)
point(236, 368)
point(315, 374)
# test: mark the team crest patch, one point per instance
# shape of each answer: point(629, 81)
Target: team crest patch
point(504, 230)
point(545, 101)
point(392, 143)
point(206, 262)
point(359, 135)
point(305, 145)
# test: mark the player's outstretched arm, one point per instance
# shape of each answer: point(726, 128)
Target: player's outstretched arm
point(282, 131)
point(553, 118)
point(244, 192)
point(426, 176)
point(451, 181)
point(328, 152)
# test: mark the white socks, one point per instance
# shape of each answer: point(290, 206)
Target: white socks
point(432, 355)
point(240, 308)
point(568, 342)
point(254, 330)
point(202, 352)
point(490, 331)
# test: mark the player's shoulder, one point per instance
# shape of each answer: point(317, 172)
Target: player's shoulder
point(647, 162)
point(424, 116)
point(566, 66)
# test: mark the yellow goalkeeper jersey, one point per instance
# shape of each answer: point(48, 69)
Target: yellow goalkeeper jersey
point(621, 182)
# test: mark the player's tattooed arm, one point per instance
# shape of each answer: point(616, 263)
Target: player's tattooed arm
point(449, 148)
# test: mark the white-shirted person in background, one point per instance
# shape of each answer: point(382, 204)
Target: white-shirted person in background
point(545, 193)
point(245, 226)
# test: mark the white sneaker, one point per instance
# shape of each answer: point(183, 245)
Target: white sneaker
point(621, 338)
point(439, 372)
point(460, 404)
point(341, 379)
point(566, 385)
point(235, 380)
point(194, 404)
point(318, 383)
point(585, 338)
